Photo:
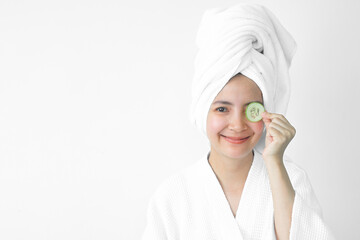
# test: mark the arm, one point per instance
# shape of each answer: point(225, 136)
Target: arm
point(160, 220)
point(283, 195)
point(297, 212)
point(155, 228)
point(307, 219)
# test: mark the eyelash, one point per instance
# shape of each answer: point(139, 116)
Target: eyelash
point(221, 107)
point(218, 108)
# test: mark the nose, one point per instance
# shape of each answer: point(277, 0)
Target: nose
point(238, 122)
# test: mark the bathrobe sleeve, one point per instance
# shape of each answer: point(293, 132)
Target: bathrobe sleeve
point(307, 219)
point(160, 223)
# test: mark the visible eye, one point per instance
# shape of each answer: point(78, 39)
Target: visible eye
point(220, 108)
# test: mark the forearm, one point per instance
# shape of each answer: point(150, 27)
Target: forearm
point(283, 197)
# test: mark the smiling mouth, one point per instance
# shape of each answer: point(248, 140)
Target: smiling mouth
point(235, 139)
point(238, 141)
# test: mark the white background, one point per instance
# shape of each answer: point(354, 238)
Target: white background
point(94, 97)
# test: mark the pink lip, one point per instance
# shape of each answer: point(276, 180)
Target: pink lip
point(236, 141)
point(236, 138)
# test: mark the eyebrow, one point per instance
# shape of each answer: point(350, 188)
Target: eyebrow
point(229, 103)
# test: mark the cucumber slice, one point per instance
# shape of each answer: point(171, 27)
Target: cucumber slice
point(253, 111)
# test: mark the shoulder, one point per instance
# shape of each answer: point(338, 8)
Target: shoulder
point(290, 165)
point(301, 184)
point(170, 185)
point(174, 187)
point(297, 174)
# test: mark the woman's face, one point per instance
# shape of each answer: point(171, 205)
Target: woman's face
point(229, 119)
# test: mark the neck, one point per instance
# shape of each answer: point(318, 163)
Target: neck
point(231, 173)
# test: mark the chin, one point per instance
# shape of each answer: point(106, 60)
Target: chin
point(236, 153)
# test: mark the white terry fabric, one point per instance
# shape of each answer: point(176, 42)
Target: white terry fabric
point(245, 38)
point(191, 205)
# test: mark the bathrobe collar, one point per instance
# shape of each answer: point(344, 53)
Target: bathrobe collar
point(255, 182)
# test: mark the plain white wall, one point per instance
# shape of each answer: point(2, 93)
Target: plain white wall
point(94, 97)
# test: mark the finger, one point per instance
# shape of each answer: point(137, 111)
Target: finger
point(266, 121)
point(274, 132)
point(284, 131)
point(281, 122)
point(268, 115)
point(277, 127)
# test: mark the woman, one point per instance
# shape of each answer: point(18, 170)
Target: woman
point(246, 187)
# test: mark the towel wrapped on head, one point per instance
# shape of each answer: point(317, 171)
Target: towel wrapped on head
point(245, 38)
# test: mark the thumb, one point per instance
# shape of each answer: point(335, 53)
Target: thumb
point(265, 119)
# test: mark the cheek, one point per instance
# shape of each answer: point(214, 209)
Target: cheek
point(258, 127)
point(215, 124)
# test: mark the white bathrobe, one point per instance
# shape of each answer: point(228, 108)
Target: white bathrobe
point(192, 205)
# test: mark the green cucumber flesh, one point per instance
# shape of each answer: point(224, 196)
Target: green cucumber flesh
point(253, 111)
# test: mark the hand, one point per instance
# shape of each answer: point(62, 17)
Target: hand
point(279, 133)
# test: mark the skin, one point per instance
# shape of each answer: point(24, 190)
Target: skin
point(232, 162)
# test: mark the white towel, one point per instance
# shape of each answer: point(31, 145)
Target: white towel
point(245, 38)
